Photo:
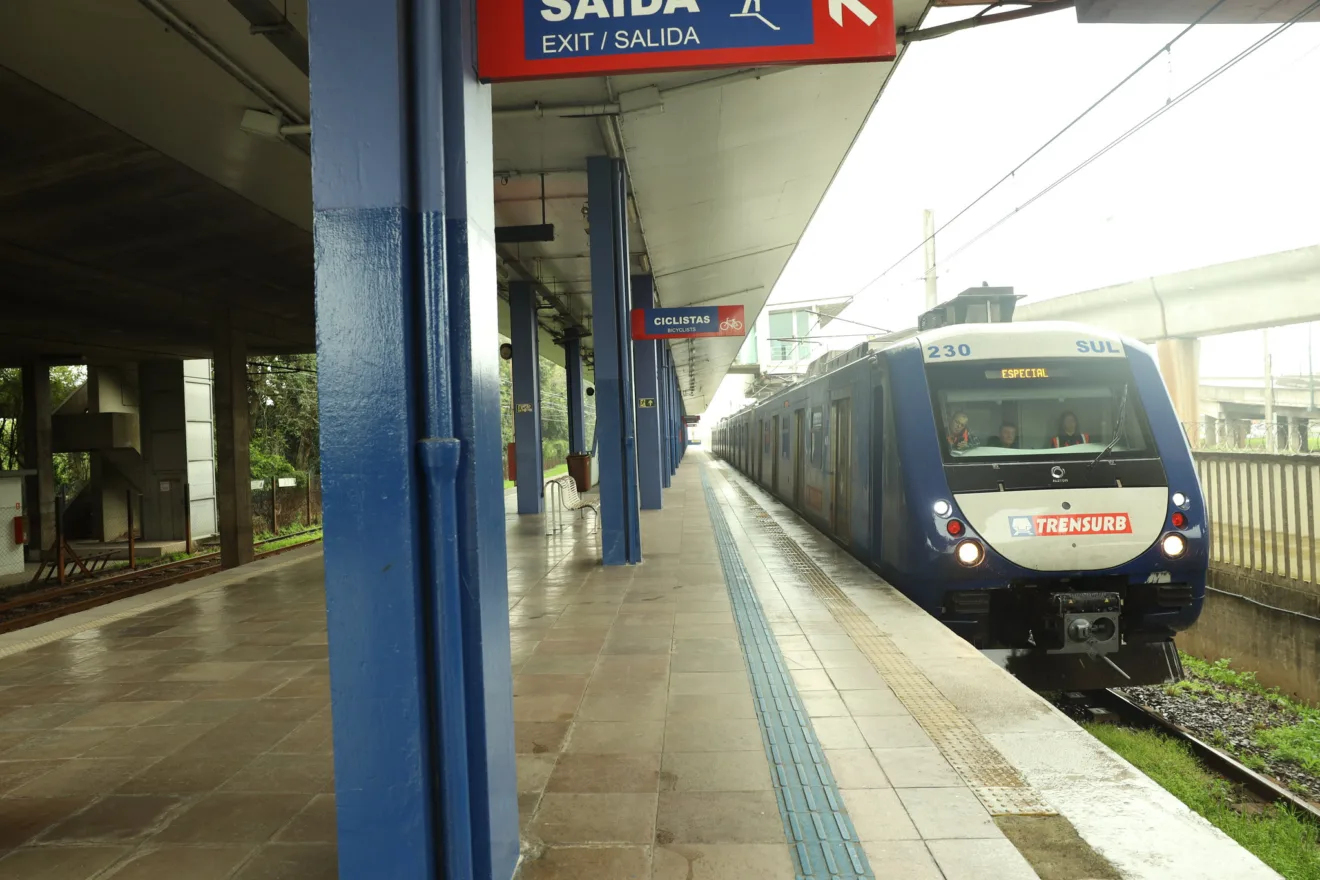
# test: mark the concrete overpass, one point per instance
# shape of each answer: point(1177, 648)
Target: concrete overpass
point(1174, 311)
point(1228, 406)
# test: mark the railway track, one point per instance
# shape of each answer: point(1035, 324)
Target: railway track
point(1262, 787)
point(41, 605)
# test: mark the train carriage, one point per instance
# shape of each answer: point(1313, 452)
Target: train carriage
point(1027, 484)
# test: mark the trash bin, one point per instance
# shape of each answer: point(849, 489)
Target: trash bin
point(579, 468)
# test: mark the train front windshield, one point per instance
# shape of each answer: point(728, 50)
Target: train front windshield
point(1029, 410)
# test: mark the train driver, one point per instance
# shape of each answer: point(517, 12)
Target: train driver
point(1070, 434)
point(960, 439)
point(1007, 437)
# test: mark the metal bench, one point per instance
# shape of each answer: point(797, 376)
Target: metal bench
point(570, 499)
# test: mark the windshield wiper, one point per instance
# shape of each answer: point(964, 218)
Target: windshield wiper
point(1118, 429)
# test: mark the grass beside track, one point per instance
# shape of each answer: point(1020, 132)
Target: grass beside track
point(1298, 743)
point(556, 471)
point(1274, 834)
point(291, 541)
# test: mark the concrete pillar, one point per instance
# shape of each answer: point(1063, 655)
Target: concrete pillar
point(1239, 430)
point(577, 416)
point(645, 355)
point(232, 438)
point(1180, 365)
point(415, 555)
point(37, 451)
point(621, 540)
point(524, 333)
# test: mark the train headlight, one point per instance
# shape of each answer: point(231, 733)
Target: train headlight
point(1179, 499)
point(943, 508)
point(1173, 545)
point(970, 553)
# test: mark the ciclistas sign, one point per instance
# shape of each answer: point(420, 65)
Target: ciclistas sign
point(688, 323)
point(531, 39)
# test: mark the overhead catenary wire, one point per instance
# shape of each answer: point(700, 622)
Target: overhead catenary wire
point(1042, 148)
point(1165, 108)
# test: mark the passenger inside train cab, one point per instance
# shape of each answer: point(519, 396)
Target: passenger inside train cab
point(1070, 434)
point(959, 438)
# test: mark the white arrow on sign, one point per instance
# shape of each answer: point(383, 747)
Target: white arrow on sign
point(858, 8)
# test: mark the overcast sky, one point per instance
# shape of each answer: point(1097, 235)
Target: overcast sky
point(1232, 172)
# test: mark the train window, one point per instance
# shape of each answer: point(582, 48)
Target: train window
point(1038, 410)
point(817, 442)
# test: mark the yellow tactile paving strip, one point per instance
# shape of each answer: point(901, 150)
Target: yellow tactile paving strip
point(995, 782)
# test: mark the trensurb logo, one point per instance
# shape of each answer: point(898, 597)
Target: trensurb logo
point(1059, 525)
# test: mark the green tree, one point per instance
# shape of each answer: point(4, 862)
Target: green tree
point(71, 468)
point(283, 412)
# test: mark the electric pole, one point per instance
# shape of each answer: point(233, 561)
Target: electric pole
point(932, 299)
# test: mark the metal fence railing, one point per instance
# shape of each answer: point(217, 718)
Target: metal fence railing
point(1262, 510)
point(297, 503)
point(1248, 435)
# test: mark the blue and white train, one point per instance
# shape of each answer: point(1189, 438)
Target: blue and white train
point(1027, 484)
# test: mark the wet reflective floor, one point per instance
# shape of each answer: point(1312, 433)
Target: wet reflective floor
point(189, 741)
point(186, 734)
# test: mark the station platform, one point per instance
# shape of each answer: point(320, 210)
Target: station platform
point(748, 702)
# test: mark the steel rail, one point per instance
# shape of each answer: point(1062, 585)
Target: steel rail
point(1219, 761)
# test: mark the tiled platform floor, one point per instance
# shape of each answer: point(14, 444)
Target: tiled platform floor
point(640, 755)
point(193, 741)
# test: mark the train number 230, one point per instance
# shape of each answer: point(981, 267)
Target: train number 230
point(948, 351)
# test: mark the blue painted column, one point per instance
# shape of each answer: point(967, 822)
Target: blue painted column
point(577, 417)
point(662, 389)
point(621, 539)
point(645, 356)
point(675, 421)
point(682, 428)
point(408, 378)
point(526, 395)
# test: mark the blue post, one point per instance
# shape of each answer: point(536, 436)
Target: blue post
point(416, 590)
point(645, 353)
point(474, 359)
point(675, 407)
point(621, 539)
point(523, 332)
point(577, 417)
point(662, 389)
point(682, 428)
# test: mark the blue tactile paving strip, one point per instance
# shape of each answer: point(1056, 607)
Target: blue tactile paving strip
point(816, 823)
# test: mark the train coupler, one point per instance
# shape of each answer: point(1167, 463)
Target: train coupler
point(1086, 622)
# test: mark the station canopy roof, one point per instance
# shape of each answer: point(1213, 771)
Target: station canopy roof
point(137, 189)
point(133, 196)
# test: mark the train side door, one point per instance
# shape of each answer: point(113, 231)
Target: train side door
point(774, 454)
point(841, 459)
point(758, 455)
point(799, 443)
point(878, 441)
